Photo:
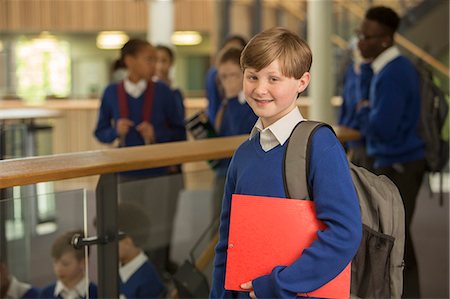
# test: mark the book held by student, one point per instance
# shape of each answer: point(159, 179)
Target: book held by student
point(266, 232)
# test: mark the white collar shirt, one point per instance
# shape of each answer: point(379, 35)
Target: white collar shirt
point(127, 270)
point(241, 98)
point(135, 89)
point(16, 289)
point(79, 291)
point(384, 58)
point(278, 132)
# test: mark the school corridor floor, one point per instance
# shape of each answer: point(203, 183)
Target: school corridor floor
point(430, 232)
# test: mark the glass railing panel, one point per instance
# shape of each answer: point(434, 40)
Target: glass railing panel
point(31, 228)
point(13, 138)
point(180, 211)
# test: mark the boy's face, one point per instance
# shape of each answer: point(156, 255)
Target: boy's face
point(68, 269)
point(372, 36)
point(230, 76)
point(271, 94)
point(142, 64)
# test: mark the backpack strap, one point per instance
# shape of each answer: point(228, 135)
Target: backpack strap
point(296, 160)
point(122, 97)
point(148, 101)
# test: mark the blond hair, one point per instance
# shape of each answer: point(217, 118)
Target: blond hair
point(292, 52)
point(63, 244)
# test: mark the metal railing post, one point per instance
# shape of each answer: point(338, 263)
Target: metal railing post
point(107, 252)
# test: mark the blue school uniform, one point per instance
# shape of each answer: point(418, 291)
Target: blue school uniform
point(166, 118)
point(238, 118)
point(212, 93)
point(142, 280)
point(254, 171)
point(356, 88)
point(390, 122)
point(32, 293)
point(21, 290)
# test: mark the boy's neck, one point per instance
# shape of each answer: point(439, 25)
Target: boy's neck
point(134, 78)
point(71, 284)
point(132, 254)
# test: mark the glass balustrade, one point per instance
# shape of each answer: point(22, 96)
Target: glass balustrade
point(30, 227)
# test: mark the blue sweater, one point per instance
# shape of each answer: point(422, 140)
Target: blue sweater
point(48, 292)
point(166, 118)
point(144, 283)
point(237, 119)
point(31, 293)
point(255, 172)
point(356, 88)
point(390, 123)
point(212, 93)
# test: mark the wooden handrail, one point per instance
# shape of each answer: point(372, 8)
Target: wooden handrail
point(18, 172)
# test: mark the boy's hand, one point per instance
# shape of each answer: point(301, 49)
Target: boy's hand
point(147, 132)
point(122, 126)
point(248, 286)
point(361, 104)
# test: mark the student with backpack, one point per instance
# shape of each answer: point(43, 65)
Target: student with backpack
point(276, 65)
point(389, 120)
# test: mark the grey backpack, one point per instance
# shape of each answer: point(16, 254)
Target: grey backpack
point(377, 268)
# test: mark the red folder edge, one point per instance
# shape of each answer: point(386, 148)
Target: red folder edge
point(257, 223)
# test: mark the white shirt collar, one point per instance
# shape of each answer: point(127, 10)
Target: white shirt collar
point(77, 292)
point(135, 89)
point(17, 289)
point(278, 132)
point(127, 270)
point(384, 58)
point(241, 98)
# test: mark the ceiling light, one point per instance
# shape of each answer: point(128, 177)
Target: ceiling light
point(45, 41)
point(111, 39)
point(186, 38)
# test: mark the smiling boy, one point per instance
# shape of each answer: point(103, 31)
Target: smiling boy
point(276, 65)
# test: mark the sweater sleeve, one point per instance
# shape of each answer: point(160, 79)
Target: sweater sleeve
point(173, 128)
point(104, 131)
point(365, 80)
point(212, 94)
point(337, 206)
point(383, 118)
point(220, 259)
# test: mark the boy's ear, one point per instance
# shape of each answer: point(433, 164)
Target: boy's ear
point(303, 82)
point(127, 60)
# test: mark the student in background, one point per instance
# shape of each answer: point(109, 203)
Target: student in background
point(276, 65)
point(138, 111)
point(138, 276)
point(11, 288)
point(214, 90)
point(165, 59)
point(234, 117)
point(356, 87)
point(69, 266)
point(142, 122)
point(389, 119)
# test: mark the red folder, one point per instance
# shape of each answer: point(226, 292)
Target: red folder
point(266, 232)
